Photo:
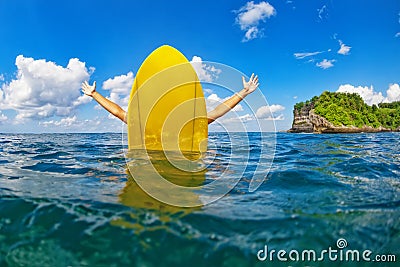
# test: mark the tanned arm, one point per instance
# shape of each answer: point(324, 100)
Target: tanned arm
point(220, 110)
point(227, 105)
point(110, 106)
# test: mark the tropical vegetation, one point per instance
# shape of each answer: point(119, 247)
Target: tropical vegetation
point(349, 109)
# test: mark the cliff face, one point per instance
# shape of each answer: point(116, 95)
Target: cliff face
point(322, 125)
point(301, 120)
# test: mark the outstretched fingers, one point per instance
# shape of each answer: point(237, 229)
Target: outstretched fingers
point(84, 85)
point(251, 77)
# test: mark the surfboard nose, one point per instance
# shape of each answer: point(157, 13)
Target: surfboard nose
point(167, 108)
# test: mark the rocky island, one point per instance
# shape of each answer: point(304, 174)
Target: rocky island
point(344, 113)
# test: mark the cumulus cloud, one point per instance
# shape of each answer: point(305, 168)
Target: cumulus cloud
point(325, 64)
point(119, 87)
point(368, 94)
point(270, 112)
point(344, 49)
point(371, 97)
point(43, 88)
point(393, 93)
point(397, 34)
point(206, 73)
point(249, 17)
point(213, 100)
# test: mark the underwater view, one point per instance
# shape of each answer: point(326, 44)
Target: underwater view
point(69, 200)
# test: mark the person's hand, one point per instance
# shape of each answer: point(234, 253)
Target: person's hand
point(250, 86)
point(88, 89)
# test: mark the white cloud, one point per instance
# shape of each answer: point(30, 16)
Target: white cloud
point(249, 17)
point(244, 118)
point(276, 108)
point(74, 124)
point(306, 54)
point(213, 100)
point(371, 97)
point(206, 73)
point(344, 49)
point(279, 118)
point(120, 87)
point(83, 99)
point(207, 91)
point(251, 33)
point(43, 89)
point(269, 112)
point(1, 77)
point(325, 64)
point(65, 122)
point(393, 93)
point(322, 12)
point(397, 34)
point(368, 94)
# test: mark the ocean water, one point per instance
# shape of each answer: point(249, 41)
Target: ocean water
point(69, 200)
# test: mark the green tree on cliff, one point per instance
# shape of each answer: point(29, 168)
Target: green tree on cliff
point(346, 109)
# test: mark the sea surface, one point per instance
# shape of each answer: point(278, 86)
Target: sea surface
point(69, 200)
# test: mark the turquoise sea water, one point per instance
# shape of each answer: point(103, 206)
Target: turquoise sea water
point(67, 200)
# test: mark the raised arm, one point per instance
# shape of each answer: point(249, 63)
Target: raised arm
point(110, 106)
point(227, 105)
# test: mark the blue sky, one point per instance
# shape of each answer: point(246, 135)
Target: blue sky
point(298, 49)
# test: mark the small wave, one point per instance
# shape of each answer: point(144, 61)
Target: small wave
point(72, 200)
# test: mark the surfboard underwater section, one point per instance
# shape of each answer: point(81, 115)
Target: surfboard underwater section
point(167, 109)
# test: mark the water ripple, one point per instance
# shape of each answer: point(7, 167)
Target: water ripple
point(68, 200)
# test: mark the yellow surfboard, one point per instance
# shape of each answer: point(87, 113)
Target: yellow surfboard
point(167, 110)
